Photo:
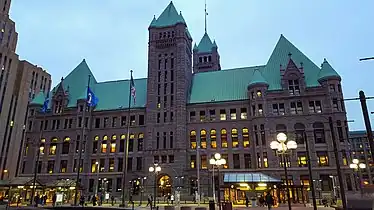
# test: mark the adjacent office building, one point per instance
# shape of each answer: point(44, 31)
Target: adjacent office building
point(20, 82)
point(185, 111)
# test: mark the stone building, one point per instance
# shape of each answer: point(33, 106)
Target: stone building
point(20, 81)
point(189, 102)
point(360, 149)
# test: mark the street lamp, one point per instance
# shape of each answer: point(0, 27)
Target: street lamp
point(217, 161)
point(358, 168)
point(282, 147)
point(155, 169)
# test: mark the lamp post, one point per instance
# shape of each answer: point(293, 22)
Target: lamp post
point(142, 189)
point(155, 169)
point(97, 177)
point(358, 167)
point(217, 161)
point(282, 147)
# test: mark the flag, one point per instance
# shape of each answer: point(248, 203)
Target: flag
point(91, 98)
point(132, 87)
point(45, 104)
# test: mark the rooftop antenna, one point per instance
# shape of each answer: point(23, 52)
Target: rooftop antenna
point(206, 14)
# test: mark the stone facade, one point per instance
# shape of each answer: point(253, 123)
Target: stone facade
point(169, 128)
point(20, 81)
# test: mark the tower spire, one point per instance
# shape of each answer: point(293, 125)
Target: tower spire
point(205, 14)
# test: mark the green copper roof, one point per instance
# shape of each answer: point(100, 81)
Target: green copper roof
point(195, 46)
point(153, 23)
point(280, 57)
point(39, 99)
point(257, 78)
point(168, 17)
point(327, 71)
point(224, 85)
point(206, 45)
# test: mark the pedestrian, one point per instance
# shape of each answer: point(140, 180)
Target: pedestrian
point(81, 200)
point(94, 199)
point(269, 200)
point(54, 198)
point(36, 200)
point(112, 198)
point(246, 201)
point(172, 199)
point(149, 201)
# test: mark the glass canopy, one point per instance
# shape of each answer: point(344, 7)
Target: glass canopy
point(249, 178)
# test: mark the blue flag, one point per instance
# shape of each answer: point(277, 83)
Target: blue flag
point(91, 98)
point(45, 104)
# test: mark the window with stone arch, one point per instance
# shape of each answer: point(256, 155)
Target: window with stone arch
point(213, 138)
point(234, 138)
point(245, 134)
point(203, 139)
point(299, 133)
point(65, 145)
point(193, 139)
point(105, 138)
point(114, 137)
point(140, 141)
point(224, 143)
point(96, 138)
point(53, 146)
point(123, 137)
point(319, 133)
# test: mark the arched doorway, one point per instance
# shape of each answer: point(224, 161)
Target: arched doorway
point(164, 185)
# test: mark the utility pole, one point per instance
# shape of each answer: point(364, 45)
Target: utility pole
point(365, 114)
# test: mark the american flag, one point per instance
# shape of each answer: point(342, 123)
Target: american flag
point(132, 87)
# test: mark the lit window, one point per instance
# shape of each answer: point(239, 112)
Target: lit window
point(93, 166)
point(265, 158)
point(202, 116)
point(226, 157)
point(113, 147)
point(193, 161)
point(203, 139)
point(233, 114)
point(260, 110)
point(193, 139)
point(67, 138)
point(323, 159)
point(111, 164)
point(105, 138)
point(243, 113)
point(222, 114)
point(204, 164)
point(123, 136)
point(259, 93)
point(104, 147)
point(224, 138)
point(42, 140)
point(52, 149)
point(96, 138)
point(234, 138)
point(11, 123)
point(245, 138)
point(301, 159)
point(213, 138)
point(114, 137)
point(41, 148)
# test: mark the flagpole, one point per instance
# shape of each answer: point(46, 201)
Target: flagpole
point(127, 147)
point(81, 143)
point(37, 160)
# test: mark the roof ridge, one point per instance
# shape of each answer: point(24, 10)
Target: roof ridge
point(121, 80)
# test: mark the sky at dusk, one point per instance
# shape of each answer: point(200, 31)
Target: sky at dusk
point(112, 36)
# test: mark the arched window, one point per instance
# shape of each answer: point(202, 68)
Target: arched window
point(203, 139)
point(299, 133)
point(340, 130)
point(42, 148)
point(245, 138)
point(96, 138)
point(213, 138)
point(123, 137)
point(234, 138)
point(65, 145)
point(105, 138)
point(53, 146)
point(193, 139)
point(131, 142)
point(112, 146)
point(319, 133)
point(140, 141)
point(114, 137)
point(224, 138)
point(281, 128)
point(104, 145)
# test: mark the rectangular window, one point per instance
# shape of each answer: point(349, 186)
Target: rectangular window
point(123, 120)
point(222, 114)
point(50, 166)
point(293, 87)
point(139, 163)
point(102, 165)
point(234, 138)
point(120, 164)
point(122, 145)
point(129, 164)
point(243, 113)
point(66, 123)
point(165, 63)
point(212, 115)
point(119, 184)
point(171, 100)
point(226, 157)
point(171, 158)
point(236, 160)
point(315, 107)
point(164, 159)
point(259, 162)
point(171, 88)
point(132, 120)
point(319, 136)
point(335, 105)
point(114, 122)
point(63, 166)
point(165, 116)
point(141, 119)
point(111, 164)
point(156, 159)
point(302, 159)
point(158, 102)
point(204, 163)
point(192, 116)
point(131, 142)
point(113, 147)
point(165, 101)
point(247, 161)
point(233, 114)
point(332, 87)
point(202, 116)
point(171, 116)
point(104, 147)
point(97, 123)
point(158, 140)
point(164, 140)
point(322, 158)
point(165, 88)
point(193, 161)
point(262, 132)
point(106, 122)
point(159, 64)
point(213, 139)
point(171, 75)
point(265, 159)
point(159, 77)
point(260, 110)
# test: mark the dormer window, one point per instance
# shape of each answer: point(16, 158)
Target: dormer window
point(58, 107)
point(293, 87)
point(210, 58)
point(259, 93)
point(205, 59)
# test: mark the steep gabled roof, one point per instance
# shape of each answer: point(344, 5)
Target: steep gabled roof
point(206, 45)
point(257, 79)
point(327, 71)
point(280, 56)
point(39, 99)
point(168, 17)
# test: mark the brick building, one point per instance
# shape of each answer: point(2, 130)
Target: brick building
point(188, 100)
point(20, 82)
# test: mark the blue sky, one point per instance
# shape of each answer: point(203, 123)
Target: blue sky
point(112, 35)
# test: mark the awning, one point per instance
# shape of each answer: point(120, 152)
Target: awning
point(249, 177)
point(21, 181)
